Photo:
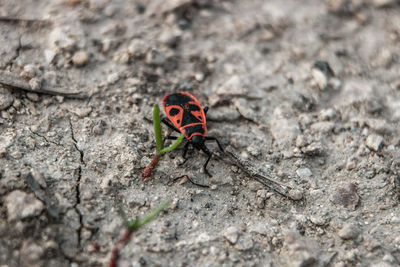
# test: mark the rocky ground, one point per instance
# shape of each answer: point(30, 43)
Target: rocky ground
point(307, 91)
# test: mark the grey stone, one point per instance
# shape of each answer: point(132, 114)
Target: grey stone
point(6, 99)
point(231, 234)
point(320, 78)
point(35, 83)
point(304, 173)
point(155, 57)
point(349, 231)
point(323, 126)
point(300, 251)
point(80, 58)
point(31, 253)
point(112, 78)
point(374, 142)
point(232, 86)
point(33, 97)
point(318, 220)
point(384, 3)
point(21, 205)
point(283, 126)
point(245, 243)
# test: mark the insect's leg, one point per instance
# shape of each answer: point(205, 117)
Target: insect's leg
point(166, 122)
point(205, 150)
point(185, 150)
point(205, 110)
point(214, 138)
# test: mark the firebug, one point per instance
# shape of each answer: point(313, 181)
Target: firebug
point(188, 117)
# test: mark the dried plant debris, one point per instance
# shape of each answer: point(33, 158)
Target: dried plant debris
point(35, 85)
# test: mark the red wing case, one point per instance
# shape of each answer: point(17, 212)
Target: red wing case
point(185, 113)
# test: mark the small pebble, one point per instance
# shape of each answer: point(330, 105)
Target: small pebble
point(323, 126)
point(327, 114)
point(260, 203)
point(82, 112)
point(319, 78)
point(395, 220)
point(155, 57)
point(138, 48)
point(112, 78)
point(232, 86)
point(374, 142)
point(16, 104)
point(199, 77)
point(296, 194)
point(350, 165)
point(263, 193)
point(304, 173)
point(346, 195)
point(203, 238)
point(31, 253)
point(301, 141)
point(389, 258)
point(245, 243)
point(231, 234)
point(318, 220)
point(33, 97)
point(49, 55)
point(384, 3)
point(80, 58)
point(335, 83)
point(6, 99)
point(29, 71)
point(35, 83)
point(349, 231)
point(21, 205)
point(5, 115)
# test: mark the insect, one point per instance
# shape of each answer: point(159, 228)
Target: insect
point(188, 117)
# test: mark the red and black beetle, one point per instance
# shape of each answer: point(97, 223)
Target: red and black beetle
point(188, 117)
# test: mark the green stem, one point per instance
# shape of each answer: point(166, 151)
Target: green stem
point(173, 146)
point(157, 128)
point(136, 224)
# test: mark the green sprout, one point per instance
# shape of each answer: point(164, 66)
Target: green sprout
point(160, 150)
point(130, 228)
point(157, 129)
point(134, 225)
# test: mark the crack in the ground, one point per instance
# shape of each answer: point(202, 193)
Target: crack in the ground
point(42, 136)
point(78, 182)
point(76, 143)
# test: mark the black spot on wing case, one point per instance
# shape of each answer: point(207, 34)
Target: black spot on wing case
point(178, 99)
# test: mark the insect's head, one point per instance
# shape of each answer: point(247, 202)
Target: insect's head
point(197, 141)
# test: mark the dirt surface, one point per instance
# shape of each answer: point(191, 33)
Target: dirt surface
point(306, 91)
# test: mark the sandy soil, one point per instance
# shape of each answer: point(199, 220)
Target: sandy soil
point(306, 91)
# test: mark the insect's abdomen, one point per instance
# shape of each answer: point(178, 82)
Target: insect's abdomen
point(194, 129)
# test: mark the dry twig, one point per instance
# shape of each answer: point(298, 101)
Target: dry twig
point(263, 177)
point(13, 81)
